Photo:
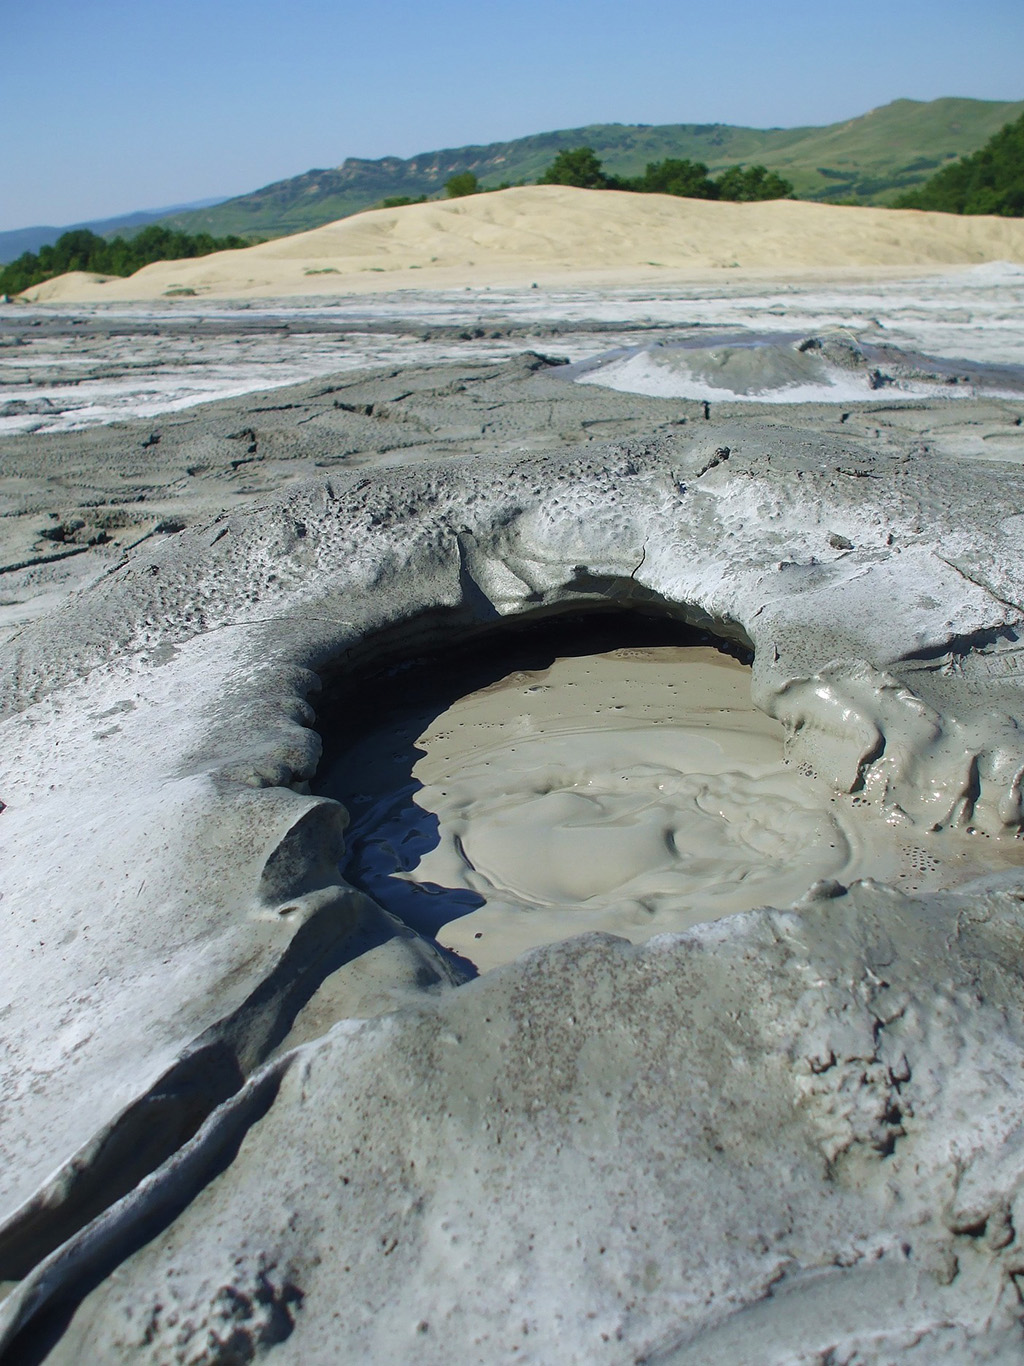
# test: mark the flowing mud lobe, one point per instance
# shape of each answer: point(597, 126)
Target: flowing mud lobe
point(835, 367)
point(634, 790)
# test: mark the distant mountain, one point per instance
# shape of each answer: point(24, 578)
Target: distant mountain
point(19, 240)
point(873, 159)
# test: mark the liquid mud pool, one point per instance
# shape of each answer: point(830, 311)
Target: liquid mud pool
point(635, 791)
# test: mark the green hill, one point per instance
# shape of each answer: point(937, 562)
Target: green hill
point(989, 181)
point(873, 158)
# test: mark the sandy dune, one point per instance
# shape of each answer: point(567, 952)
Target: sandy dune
point(549, 233)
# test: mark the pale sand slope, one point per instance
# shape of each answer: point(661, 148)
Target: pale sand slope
point(555, 232)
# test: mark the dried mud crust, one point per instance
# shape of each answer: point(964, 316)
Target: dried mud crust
point(171, 887)
point(789, 1135)
point(145, 480)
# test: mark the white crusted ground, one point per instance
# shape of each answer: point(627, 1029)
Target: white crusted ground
point(789, 1136)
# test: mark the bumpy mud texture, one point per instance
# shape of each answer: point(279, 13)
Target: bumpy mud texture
point(762, 1141)
point(780, 1134)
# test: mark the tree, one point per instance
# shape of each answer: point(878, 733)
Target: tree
point(752, 184)
point(581, 167)
point(577, 166)
point(673, 176)
point(991, 180)
point(461, 185)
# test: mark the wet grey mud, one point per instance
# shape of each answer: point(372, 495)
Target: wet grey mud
point(633, 790)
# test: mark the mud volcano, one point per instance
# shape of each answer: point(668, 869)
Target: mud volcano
point(251, 1111)
point(778, 367)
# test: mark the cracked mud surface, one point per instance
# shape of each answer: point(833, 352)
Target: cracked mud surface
point(250, 1114)
point(75, 502)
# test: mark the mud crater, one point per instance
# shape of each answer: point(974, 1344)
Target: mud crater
point(596, 773)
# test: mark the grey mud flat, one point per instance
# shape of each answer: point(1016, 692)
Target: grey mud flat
point(249, 1114)
point(73, 503)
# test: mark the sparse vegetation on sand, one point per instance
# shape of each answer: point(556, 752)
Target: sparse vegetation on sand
point(457, 187)
point(989, 181)
point(461, 185)
point(85, 250)
point(581, 167)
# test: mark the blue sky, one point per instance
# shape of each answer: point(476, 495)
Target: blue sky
point(109, 105)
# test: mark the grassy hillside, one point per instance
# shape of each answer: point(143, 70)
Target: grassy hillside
point(881, 154)
point(873, 158)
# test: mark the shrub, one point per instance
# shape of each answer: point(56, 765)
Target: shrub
point(751, 184)
point(672, 176)
point(578, 166)
point(461, 185)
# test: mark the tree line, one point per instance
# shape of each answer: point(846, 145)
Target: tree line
point(81, 249)
point(991, 180)
point(580, 166)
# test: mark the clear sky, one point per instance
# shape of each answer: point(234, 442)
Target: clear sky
point(112, 105)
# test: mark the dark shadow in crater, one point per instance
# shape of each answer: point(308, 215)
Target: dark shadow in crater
point(371, 727)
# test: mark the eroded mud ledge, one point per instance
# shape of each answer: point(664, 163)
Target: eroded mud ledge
point(158, 743)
